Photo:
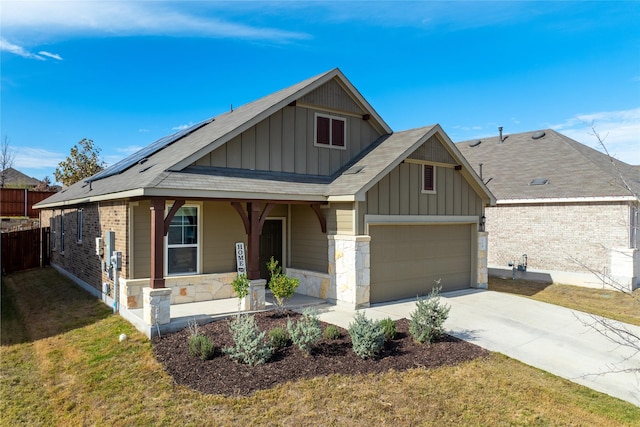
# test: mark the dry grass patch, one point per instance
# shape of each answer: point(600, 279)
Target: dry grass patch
point(85, 376)
point(624, 307)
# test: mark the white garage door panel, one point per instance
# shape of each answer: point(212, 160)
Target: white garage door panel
point(407, 260)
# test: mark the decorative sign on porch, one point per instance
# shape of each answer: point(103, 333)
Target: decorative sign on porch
point(240, 259)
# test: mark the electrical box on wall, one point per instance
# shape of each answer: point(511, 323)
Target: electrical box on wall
point(99, 248)
point(116, 259)
point(110, 244)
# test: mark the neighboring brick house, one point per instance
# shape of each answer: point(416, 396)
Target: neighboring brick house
point(310, 175)
point(562, 204)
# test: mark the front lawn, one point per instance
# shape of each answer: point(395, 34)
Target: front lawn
point(71, 369)
point(624, 307)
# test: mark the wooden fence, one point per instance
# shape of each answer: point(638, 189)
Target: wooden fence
point(22, 250)
point(18, 202)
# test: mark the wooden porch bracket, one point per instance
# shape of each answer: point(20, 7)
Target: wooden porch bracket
point(177, 204)
point(159, 229)
point(243, 215)
point(321, 218)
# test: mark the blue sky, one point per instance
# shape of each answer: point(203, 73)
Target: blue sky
point(127, 73)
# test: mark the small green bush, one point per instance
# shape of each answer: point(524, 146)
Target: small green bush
point(389, 328)
point(428, 319)
point(305, 332)
point(250, 347)
point(367, 336)
point(278, 337)
point(282, 287)
point(331, 332)
point(241, 285)
point(201, 346)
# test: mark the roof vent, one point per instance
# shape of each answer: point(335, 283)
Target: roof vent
point(537, 135)
point(539, 181)
point(475, 144)
point(354, 169)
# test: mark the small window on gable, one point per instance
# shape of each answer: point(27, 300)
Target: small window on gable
point(428, 179)
point(331, 131)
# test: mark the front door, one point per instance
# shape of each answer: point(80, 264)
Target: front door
point(270, 245)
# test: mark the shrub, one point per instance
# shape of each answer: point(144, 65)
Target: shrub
point(389, 328)
point(278, 337)
point(331, 332)
point(250, 347)
point(281, 286)
point(305, 332)
point(367, 336)
point(241, 287)
point(201, 346)
point(428, 319)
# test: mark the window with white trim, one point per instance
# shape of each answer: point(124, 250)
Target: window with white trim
point(183, 242)
point(429, 179)
point(330, 131)
point(79, 224)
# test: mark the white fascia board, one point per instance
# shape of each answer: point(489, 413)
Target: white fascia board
point(111, 196)
point(567, 200)
point(343, 198)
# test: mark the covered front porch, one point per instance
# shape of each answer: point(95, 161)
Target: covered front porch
point(203, 312)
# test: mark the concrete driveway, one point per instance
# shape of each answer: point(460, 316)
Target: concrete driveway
point(546, 336)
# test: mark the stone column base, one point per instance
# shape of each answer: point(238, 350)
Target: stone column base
point(255, 300)
point(156, 306)
point(482, 278)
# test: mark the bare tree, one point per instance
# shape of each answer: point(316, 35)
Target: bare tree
point(616, 332)
point(7, 156)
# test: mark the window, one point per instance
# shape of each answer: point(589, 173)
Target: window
point(54, 232)
point(428, 179)
point(79, 225)
point(62, 231)
point(331, 131)
point(183, 248)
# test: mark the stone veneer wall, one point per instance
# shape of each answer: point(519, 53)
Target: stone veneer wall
point(552, 234)
point(349, 269)
point(482, 281)
point(313, 283)
point(184, 289)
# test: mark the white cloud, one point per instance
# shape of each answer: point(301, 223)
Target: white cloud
point(50, 55)
point(182, 127)
point(619, 130)
point(36, 158)
point(7, 46)
point(18, 50)
point(125, 18)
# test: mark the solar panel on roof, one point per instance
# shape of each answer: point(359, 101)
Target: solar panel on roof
point(142, 155)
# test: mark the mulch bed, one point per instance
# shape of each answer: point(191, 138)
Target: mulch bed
point(221, 375)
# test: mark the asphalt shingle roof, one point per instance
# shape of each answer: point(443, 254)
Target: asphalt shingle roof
point(573, 170)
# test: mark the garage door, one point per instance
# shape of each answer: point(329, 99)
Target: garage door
point(406, 260)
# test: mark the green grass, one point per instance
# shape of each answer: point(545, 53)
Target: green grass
point(72, 370)
point(624, 307)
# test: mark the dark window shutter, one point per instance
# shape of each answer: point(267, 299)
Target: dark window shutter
point(428, 178)
point(322, 129)
point(337, 133)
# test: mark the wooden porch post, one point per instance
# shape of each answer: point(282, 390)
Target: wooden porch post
point(253, 252)
point(157, 243)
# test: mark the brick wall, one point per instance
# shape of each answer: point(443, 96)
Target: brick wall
point(79, 256)
point(551, 234)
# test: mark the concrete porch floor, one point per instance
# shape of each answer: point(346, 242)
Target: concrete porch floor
point(207, 311)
